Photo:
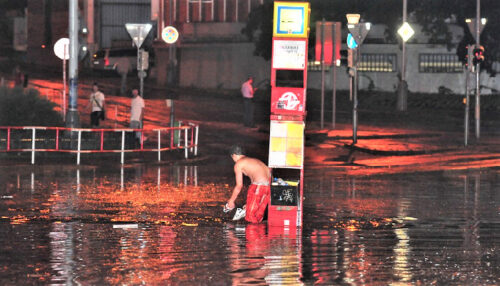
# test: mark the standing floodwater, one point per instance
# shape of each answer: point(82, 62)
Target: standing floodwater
point(164, 225)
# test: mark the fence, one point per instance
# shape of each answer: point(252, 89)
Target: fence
point(79, 140)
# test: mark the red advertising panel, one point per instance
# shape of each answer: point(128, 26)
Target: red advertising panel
point(289, 76)
point(332, 42)
point(288, 100)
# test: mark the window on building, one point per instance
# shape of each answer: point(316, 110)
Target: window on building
point(439, 63)
point(368, 63)
point(316, 66)
point(378, 63)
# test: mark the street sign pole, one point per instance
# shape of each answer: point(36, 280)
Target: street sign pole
point(359, 32)
point(138, 33)
point(140, 73)
point(72, 117)
point(476, 27)
point(334, 73)
point(322, 112)
point(355, 98)
point(64, 82)
point(467, 105)
point(478, 91)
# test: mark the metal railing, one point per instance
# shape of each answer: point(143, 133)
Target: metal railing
point(83, 140)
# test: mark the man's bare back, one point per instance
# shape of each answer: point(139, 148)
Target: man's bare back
point(253, 168)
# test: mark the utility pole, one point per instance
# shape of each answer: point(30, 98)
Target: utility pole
point(322, 73)
point(72, 117)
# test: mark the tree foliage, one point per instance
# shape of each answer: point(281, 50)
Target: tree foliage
point(434, 16)
point(26, 108)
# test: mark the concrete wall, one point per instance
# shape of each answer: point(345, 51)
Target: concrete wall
point(417, 81)
point(226, 65)
point(222, 65)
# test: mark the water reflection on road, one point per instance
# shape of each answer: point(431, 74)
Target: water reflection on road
point(163, 225)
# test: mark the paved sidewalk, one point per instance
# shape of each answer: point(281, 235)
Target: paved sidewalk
point(379, 149)
point(388, 150)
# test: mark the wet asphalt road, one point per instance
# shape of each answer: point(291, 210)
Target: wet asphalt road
point(163, 225)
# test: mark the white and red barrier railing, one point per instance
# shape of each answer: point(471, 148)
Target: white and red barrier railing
point(84, 140)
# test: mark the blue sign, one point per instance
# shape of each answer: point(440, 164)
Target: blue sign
point(351, 43)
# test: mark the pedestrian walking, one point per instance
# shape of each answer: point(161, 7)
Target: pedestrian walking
point(136, 112)
point(96, 101)
point(247, 91)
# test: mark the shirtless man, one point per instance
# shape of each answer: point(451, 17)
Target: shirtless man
point(259, 191)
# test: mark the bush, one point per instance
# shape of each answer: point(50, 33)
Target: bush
point(20, 107)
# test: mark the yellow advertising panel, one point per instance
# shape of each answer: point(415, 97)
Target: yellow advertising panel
point(286, 144)
point(291, 19)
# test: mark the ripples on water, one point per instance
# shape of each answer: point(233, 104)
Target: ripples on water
point(164, 226)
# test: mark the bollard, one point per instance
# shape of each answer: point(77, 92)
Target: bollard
point(186, 143)
point(196, 141)
point(159, 145)
point(33, 146)
point(79, 147)
point(123, 147)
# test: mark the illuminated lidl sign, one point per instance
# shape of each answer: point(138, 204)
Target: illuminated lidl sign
point(291, 19)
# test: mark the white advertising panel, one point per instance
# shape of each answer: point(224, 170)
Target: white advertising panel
point(289, 54)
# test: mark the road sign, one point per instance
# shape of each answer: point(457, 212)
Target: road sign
point(359, 31)
point(406, 31)
point(61, 48)
point(291, 19)
point(471, 23)
point(138, 32)
point(351, 43)
point(141, 74)
point(169, 34)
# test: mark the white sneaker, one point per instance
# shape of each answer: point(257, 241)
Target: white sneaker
point(240, 213)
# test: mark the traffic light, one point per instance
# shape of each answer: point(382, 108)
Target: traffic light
point(469, 57)
point(343, 58)
point(478, 55)
point(82, 39)
point(347, 58)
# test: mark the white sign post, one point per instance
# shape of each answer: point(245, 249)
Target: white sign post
point(61, 49)
point(138, 33)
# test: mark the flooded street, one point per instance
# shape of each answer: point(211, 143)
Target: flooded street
point(164, 225)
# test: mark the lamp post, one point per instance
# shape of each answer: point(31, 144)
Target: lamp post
point(72, 117)
point(406, 32)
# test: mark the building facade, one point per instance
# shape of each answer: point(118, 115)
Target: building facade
point(212, 52)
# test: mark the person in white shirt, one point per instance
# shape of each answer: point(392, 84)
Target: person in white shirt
point(247, 92)
point(136, 112)
point(97, 102)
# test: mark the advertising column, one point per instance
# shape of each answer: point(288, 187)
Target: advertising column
point(288, 110)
